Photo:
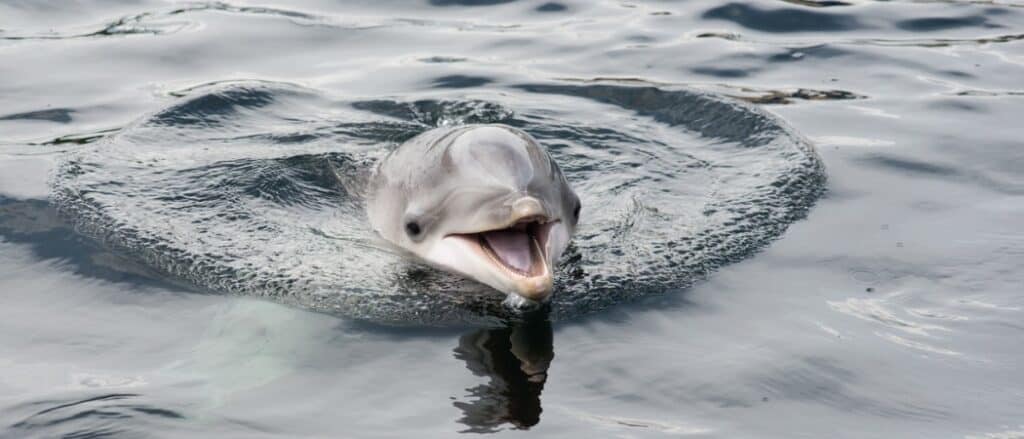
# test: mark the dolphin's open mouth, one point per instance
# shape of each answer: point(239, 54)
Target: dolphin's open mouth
point(518, 249)
point(513, 258)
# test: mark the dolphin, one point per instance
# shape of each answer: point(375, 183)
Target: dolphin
point(483, 201)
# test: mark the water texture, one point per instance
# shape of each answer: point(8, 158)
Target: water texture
point(156, 155)
point(256, 189)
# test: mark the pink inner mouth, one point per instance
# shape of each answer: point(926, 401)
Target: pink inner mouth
point(518, 249)
point(512, 246)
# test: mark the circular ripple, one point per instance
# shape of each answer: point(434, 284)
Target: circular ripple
point(256, 189)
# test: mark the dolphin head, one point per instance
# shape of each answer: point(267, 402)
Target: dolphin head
point(485, 201)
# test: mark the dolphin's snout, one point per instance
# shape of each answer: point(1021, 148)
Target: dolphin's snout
point(527, 209)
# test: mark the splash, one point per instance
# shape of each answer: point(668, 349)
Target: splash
point(255, 188)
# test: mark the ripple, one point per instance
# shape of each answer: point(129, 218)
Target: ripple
point(130, 25)
point(933, 24)
point(883, 42)
point(78, 138)
point(908, 165)
point(728, 73)
point(551, 7)
point(149, 23)
point(469, 2)
point(826, 382)
point(787, 97)
point(113, 414)
point(946, 172)
point(59, 115)
point(875, 310)
point(443, 60)
point(783, 20)
point(461, 81)
point(36, 224)
point(666, 427)
point(753, 95)
point(917, 345)
point(1015, 433)
point(695, 182)
point(939, 42)
point(989, 93)
point(818, 3)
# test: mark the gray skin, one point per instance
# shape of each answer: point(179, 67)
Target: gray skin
point(448, 197)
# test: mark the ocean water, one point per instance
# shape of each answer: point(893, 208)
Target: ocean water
point(801, 219)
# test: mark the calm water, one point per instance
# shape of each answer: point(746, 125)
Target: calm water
point(891, 307)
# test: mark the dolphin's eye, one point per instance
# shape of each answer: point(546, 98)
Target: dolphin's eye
point(576, 210)
point(412, 228)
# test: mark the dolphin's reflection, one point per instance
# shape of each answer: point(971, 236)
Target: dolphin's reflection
point(516, 360)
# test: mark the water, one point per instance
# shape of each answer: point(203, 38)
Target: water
point(889, 307)
point(693, 181)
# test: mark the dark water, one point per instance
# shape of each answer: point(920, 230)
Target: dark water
point(889, 307)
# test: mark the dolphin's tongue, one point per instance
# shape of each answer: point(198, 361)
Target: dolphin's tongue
point(512, 247)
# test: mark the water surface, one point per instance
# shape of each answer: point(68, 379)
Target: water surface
point(891, 308)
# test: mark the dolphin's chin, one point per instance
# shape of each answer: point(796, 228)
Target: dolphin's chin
point(513, 259)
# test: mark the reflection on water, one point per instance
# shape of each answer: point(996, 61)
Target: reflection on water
point(515, 360)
